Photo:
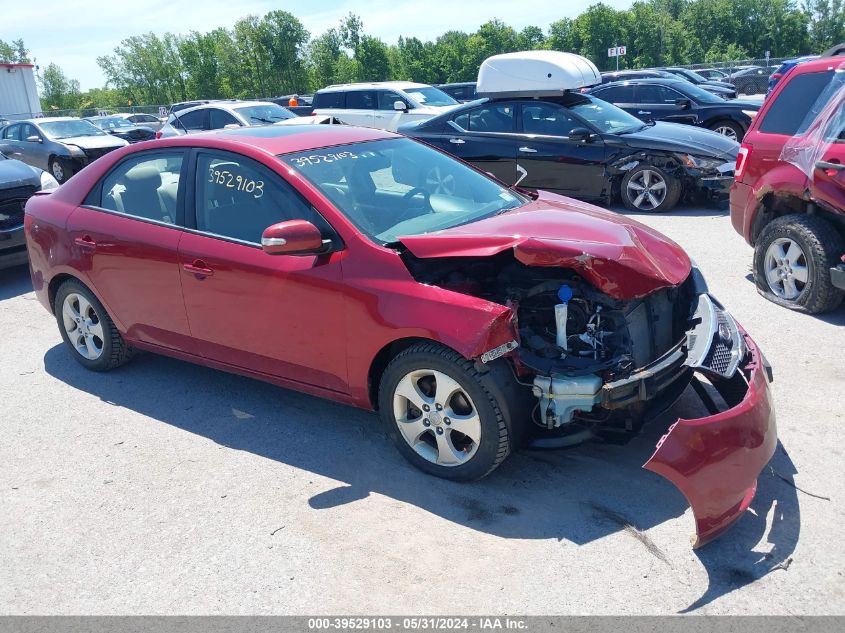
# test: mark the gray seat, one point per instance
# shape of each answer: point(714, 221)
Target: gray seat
point(143, 195)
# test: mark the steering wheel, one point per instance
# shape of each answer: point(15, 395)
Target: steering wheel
point(415, 192)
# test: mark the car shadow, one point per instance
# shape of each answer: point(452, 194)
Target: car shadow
point(14, 282)
point(579, 495)
point(702, 209)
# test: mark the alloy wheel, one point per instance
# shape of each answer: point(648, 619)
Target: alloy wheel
point(436, 181)
point(83, 326)
point(647, 190)
point(785, 267)
point(726, 130)
point(58, 171)
point(437, 417)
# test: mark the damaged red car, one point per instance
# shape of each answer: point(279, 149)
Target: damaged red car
point(368, 268)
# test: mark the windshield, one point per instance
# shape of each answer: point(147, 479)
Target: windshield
point(264, 114)
point(111, 122)
point(70, 128)
point(604, 116)
point(695, 76)
point(430, 96)
point(399, 187)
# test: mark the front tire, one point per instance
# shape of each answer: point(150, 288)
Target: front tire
point(649, 189)
point(60, 169)
point(792, 261)
point(729, 129)
point(441, 413)
point(87, 329)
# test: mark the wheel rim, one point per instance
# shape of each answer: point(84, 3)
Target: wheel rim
point(438, 182)
point(83, 326)
point(647, 190)
point(728, 131)
point(58, 172)
point(436, 417)
point(785, 267)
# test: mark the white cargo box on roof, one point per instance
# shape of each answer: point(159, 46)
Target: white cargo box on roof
point(535, 74)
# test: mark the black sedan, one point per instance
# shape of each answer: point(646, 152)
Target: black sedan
point(580, 146)
point(679, 101)
point(717, 87)
point(18, 182)
point(123, 128)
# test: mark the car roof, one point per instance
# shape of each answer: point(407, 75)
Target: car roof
point(230, 104)
point(49, 119)
point(281, 139)
point(645, 80)
point(397, 85)
point(815, 65)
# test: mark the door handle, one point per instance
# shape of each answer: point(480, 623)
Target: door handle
point(457, 141)
point(644, 112)
point(86, 242)
point(528, 150)
point(824, 164)
point(199, 269)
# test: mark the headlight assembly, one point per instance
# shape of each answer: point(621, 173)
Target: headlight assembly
point(697, 162)
point(48, 183)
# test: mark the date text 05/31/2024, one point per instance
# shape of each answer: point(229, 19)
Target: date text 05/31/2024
point(431, 623)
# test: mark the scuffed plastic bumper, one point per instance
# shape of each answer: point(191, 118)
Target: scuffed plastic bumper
point(714, 461)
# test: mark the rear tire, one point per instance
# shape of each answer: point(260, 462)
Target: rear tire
point(440, 379)
point(649, 189)
point(88, 330)
point(792, 261)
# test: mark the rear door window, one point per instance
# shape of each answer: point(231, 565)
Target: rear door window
point(195, 120)
point(361, 100)
point(788, 112)
point(330, 100)
point(616, 94)
point(145, 187)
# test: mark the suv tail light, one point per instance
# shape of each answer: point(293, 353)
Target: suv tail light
point(742, 160)
point(158, 134)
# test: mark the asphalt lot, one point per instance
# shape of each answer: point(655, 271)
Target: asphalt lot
point(169, 488)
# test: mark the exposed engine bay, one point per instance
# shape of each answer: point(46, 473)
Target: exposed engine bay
point(590, 358)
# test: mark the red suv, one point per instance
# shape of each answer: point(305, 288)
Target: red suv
point(788, 200)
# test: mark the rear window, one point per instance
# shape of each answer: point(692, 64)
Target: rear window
point(329, 100)
point(788, 114)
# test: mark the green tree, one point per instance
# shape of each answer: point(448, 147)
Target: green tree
point(58, 91)
point(826, 20)
point(13, 52)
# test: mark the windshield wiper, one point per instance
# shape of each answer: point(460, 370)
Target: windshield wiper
point(262, 119)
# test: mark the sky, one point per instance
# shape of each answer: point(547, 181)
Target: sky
point(73, 37)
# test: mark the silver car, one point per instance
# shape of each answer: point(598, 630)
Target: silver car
point(218, 115)
point(141, 118)
point(60, 145)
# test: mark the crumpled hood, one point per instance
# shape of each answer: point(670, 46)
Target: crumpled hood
point(93, 142)
point(674, 136)
point(621, 257)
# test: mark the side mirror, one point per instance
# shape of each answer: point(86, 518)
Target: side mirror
point(294, 237)
point(400, 106)
point(231, 126)
point(34, 139)
point(581, 135)
point(684, 104)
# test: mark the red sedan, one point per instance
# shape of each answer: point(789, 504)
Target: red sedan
point(364, 267)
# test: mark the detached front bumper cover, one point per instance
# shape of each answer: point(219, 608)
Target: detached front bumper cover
point(715, 461)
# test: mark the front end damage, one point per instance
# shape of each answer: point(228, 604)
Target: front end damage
point(602, 362)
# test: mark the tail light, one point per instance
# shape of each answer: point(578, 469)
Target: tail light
point(158, 134)
point(742, 160)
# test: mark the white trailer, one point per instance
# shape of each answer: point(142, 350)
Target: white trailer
point(18, 92)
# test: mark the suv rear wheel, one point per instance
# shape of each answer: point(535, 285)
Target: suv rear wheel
point(792, 261)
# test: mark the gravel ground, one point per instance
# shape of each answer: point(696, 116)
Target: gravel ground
point(169, 488)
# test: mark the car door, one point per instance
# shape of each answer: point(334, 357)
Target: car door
point(387, 117)
point(10, 141)
point(33, 151)
point(360, 108)
point(829, 176)
point(277, 315)
point(548, 159)
point(486, 137)
point(659, 103)
point(126, 236)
